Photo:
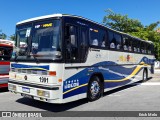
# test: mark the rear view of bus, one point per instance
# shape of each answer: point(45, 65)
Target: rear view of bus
point(5, 54)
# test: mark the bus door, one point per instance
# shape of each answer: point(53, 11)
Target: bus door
point(83, 44)
point(71, 44)
point(76, 40)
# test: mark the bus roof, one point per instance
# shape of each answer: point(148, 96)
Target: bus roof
point(60, 15)
point(39, 18)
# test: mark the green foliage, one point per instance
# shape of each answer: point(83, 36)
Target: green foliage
point(133, 27)
point(121, 22)
point(2, 35)
point(12, 37)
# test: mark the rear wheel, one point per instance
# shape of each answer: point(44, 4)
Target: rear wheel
point(94, 89)
point(145, 75)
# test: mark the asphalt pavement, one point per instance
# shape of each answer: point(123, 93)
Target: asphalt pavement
point(141, 96)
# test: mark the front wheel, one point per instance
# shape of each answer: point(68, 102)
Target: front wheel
point(94, 89)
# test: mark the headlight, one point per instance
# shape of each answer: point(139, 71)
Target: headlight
point(43, 93)
point(12, 87)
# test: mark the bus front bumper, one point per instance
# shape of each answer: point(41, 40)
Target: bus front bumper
point(43, 93)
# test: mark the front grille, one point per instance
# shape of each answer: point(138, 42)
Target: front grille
point(39, 72)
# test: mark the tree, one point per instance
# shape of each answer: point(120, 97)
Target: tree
point(121, 22)
point(2, 35)
point(133, 27)
point(12, 37)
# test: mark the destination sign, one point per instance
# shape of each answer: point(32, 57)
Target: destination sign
point(45, 25)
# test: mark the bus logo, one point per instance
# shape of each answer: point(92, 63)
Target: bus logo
point(71, 84)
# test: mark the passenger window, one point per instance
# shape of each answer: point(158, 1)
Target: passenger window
point(112, 40)
point(97, 37)
point(149, 49)
point(103, 40)
point(94, 37)
point(130, 41)
point(143, 47)
point(125, 43)
point(83, 43)
point(138, 46)
point(118, 41)
point(135, 45)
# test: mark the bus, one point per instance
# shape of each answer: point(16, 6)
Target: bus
point(6, 48)
point(68, 57)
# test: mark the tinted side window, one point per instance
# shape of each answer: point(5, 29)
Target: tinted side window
point(97, 37)
point(135, 45)
point(130, 44)
point(118, 41)
point(143, 47)
point(138, 46)
point(94, 37)
point(112, 40)
point(84, 36)
point(127, 43)
point(103, 39)
point(150, 49)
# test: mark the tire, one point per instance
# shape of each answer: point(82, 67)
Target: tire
point(145, 75)
point(95, 89)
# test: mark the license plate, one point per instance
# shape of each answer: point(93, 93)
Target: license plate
point(24, 89)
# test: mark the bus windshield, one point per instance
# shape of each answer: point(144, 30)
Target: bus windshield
point(39, 39)
point(5, 50)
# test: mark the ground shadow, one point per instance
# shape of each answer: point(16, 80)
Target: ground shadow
point(68, 106)
point(51, 107)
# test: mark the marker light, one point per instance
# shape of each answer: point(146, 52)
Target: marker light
point(59, 80)
point(52, 73)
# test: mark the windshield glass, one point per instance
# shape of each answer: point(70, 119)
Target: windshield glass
point(40, 40)
point(22, 36)
point(5, 51)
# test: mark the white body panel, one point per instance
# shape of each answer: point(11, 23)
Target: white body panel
point(94, 57)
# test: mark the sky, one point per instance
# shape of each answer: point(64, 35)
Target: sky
point(13, 11)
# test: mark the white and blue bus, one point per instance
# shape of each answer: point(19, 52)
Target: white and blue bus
point(65, 58)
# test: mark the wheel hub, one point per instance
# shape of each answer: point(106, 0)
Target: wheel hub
point(94, 88)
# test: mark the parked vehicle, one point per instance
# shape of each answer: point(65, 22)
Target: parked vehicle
point(6, 48)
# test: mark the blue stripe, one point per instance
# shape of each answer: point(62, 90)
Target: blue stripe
point(108, 71)
point(46, 67)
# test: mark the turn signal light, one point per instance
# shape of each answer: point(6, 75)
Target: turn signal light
point(60, 80)
point(52, 73)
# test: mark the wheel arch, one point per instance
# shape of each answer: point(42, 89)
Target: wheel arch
point(101, 81)
point(98, 74)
